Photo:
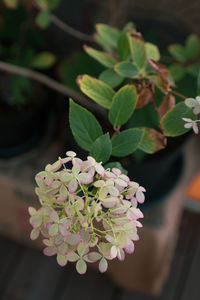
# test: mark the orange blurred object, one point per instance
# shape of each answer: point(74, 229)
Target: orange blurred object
point(193, 191)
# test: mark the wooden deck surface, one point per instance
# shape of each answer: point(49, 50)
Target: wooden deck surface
point(26, 274)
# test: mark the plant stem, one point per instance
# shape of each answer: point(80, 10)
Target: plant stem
point(177, 94)
point(52, 84)
point(69, 30)
point(116, 131)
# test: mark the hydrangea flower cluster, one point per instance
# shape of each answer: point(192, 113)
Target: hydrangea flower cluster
point(87, 213)
point(195, 105)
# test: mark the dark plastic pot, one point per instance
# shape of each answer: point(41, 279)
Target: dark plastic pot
point(159, 175)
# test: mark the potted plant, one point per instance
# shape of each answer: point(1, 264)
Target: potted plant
point(141, 110)
point(90, 207)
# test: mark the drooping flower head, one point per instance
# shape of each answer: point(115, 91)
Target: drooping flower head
point(87, 213)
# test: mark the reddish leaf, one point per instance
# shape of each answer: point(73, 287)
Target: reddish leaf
point(159, 139)
point(145, 97)
point(137, 35)
point(167, 103)
point(161, 71)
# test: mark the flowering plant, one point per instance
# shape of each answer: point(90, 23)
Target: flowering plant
point(83, 207)
point(87, 205)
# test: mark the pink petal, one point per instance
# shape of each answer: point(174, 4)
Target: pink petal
point(130, 247)
point(134, 213)
point(68, 213)
point(125, 178)
point(77, 161)
point(73, 185)
point(91, 160)
point(121, 182)
point(49, 251)
point(58, 240)
point(53, 215)
point(64, 229)
point(140, 196)
point(103, 265)
point(113, 252)
point(195, 128)
point(110, 202)
point(94, 256)
point(99, 169)
point(73, 239)
point(120, 254)
point(116, 171)
point(110, 174)
point(113, 191)
point(85, 178)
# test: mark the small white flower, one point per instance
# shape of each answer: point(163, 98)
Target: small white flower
point(191, 124)
point(194, 104)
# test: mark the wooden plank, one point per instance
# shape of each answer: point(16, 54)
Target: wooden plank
point(90, 286)
point(45, 281)
point(190, 288)
point(8, 251)
point(135, 296)
point(22, 278)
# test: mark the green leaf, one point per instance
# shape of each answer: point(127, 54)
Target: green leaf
point(102, 148)
point(108, 35)
point(192, 46)
point(172, 121)
point(110, 77)
point(178, 52)
point(84, 126)
point(177, 72)
point(123, 48)
point(147, 143)
point(96, 89)
point(193, 69)
point(123, 105)
point(152, 51)
point(138, 51)
point(43, 60)
point(144, 117)
point(126, 69)
point(126, 142)
point(102, 57)
point(43, 19)
point(116, 164)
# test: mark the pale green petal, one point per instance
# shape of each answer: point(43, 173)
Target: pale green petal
point(72, 256)
point(81, 266)
point(62, 260)
point(53, 230)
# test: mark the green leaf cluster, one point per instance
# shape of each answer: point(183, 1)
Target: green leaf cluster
point(135, 123)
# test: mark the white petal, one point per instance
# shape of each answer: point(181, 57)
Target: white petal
point(195, 128)
point(71, 153)
point(190, 102)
